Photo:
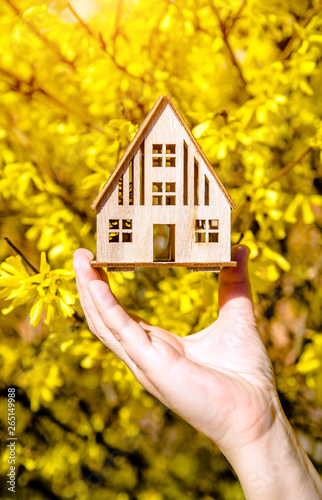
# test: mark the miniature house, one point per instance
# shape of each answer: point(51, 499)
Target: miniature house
point(163, 205)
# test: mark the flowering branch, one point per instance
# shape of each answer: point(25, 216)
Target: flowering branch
point(102, 43)
point(225, 30)
point(289, 47)
point(276, 176)
point(33, 89)
point(48, 287)
point(235, 18)
point(42, 37)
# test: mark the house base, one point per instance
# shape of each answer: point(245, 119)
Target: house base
point(200, 266)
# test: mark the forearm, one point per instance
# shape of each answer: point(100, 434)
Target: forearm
point(276, 467)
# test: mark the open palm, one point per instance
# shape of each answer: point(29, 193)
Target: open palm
point(220, 379)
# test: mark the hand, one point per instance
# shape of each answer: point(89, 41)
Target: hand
point(220, 380)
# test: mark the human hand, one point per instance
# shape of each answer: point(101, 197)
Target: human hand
point(220, 380)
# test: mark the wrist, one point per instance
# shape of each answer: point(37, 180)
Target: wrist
point(276, 466)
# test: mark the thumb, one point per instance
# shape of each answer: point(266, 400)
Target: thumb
point(234, 294)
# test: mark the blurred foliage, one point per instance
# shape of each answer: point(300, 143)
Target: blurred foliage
point(76, 80)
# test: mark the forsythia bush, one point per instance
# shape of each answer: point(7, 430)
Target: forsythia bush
point(76, 80)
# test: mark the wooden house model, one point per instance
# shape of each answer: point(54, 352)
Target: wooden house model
point(163, 205)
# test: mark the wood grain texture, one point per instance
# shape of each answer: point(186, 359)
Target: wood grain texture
point(170, 166)
point(199, 266)
point(138, 139)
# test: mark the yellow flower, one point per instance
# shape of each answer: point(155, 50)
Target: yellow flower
point(53, 295)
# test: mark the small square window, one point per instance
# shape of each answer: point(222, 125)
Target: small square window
point(157, 149)
point(114, 224)
point(127, 237)
point(213, 237)
point(200, 224)
point(127, 224)
point(214, 224)
point(156, 200)
point(157, 161)
point(113, 237)
point(157, 187)
point(170, 149)
point(170, 161)
point(200, 237)
point(170, 187)
point(170, 200)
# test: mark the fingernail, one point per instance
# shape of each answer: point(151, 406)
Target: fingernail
point(245, 249)
point(241, 250)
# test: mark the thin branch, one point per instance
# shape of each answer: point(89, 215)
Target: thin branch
point(289, 47)
point(288, 167)
point(102, 44)
point(80, 20)
point(276, 176)
point(236, 213)
point(239, 239)
point(234, 60)
point(78, 317)
point(17, 81)
point(42, 37)
point(21, 255)
point(118, 18)
point(236, 17)
point(86, 121)
point(224, 31)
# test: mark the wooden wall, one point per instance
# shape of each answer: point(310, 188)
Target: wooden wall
point(164, 129)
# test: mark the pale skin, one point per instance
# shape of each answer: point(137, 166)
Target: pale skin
point(220, 379)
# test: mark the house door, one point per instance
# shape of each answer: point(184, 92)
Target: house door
point(163, 242)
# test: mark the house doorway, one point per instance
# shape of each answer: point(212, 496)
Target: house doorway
point(163, 242)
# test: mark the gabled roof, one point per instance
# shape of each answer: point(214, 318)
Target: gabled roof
point(137, 139)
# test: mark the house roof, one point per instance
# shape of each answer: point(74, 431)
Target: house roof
point(137, 139)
